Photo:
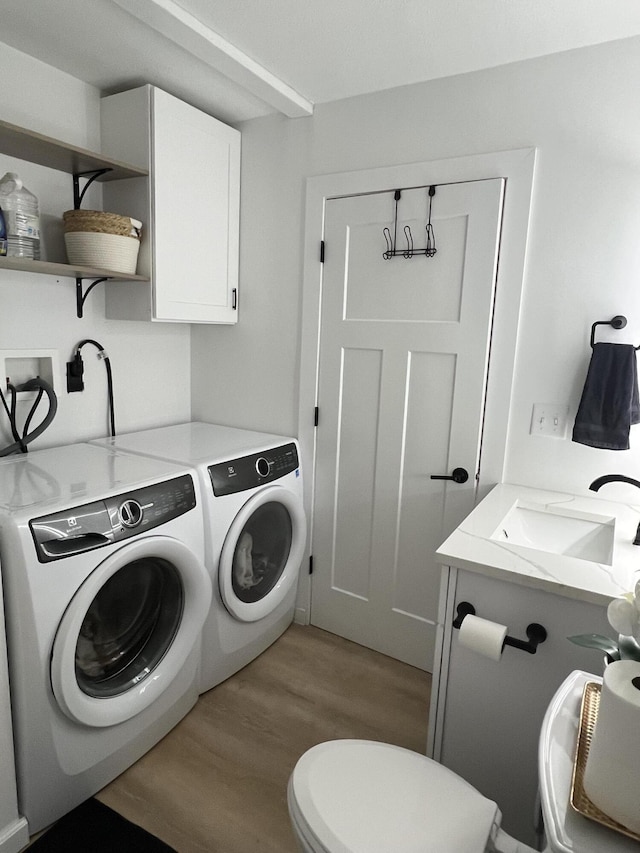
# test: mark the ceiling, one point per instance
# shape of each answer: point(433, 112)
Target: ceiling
point(239, 59)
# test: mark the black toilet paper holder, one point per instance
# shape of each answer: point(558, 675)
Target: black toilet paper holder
point(536, 633)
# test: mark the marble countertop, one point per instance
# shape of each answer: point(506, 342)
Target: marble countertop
point(472, 547)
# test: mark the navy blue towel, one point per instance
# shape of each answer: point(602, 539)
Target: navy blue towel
point(609, 404)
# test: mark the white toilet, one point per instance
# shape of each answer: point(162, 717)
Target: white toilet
point(359, 796)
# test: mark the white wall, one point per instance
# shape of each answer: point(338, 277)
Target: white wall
point(150, 362)
point(580, 110)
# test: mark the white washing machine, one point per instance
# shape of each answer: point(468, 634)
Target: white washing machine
point(106, 594)
point(255, 532)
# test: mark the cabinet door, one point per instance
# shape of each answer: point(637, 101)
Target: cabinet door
point(189, 207)
point(195, 208)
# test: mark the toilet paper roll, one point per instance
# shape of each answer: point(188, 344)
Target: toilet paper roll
point(612, 772)
point(482, 636)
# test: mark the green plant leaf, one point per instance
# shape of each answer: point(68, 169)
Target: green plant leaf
point(595, 641)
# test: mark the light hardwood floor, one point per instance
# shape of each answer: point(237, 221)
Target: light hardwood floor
point(217, 782)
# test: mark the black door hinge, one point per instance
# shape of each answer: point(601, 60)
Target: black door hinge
point(311, 564)
point(316, 415)
point(321, 251)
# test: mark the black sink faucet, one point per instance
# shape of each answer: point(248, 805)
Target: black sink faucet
point(613, 478)
point(617, 478)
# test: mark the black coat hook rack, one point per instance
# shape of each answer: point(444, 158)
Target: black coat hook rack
point(536, 633)
point(617, 322)
point(392, 251)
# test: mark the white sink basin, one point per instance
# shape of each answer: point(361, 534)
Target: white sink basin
point(581, 535)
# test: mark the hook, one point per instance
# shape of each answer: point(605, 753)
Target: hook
point(391, 244)
point(408, 253)
point(431, 237)
point(431, 242)
point(387, 236)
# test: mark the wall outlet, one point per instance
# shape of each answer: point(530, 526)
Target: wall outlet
point(549, 419)
point(75, 372)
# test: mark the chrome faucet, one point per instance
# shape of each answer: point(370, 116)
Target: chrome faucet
point(617, 478)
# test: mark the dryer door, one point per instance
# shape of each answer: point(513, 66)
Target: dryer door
point(261, 555)
point(128, 630)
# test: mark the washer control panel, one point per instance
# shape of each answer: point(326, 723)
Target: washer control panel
point(247, 472)
point(93, 525)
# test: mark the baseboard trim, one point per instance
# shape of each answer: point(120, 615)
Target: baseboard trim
point(14, 836)
point(301, 616)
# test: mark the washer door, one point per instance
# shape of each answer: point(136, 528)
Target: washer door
point(261, 555)
point(128, 631)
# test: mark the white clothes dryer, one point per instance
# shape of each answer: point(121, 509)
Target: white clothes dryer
point(106, 594)
point(255, 532)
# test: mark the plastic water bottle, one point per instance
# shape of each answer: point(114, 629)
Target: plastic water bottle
point(21, 218)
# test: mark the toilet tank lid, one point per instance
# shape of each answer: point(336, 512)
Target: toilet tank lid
point(357, 795)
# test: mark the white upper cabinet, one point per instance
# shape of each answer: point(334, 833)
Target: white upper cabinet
point(189, 207)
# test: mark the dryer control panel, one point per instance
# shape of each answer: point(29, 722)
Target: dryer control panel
point(99, 523)
point(247, 472)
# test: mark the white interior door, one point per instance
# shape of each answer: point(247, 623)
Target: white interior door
point(403, 359)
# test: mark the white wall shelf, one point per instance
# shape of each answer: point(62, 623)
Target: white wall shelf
point(33, 147)
point(65, 270)
point(27, 145)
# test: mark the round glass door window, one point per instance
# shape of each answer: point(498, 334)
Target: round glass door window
point(129, 626)
point(261, 552)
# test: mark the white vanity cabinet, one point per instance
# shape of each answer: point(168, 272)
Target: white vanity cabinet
point(485, 715)
point(189, 207)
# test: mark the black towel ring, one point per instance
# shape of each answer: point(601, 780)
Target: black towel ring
point(617, 322)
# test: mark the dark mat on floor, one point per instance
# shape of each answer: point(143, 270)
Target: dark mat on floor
point(93, 827)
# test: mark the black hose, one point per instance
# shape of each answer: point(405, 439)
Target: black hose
point(27, 423)
point(11, 412)
point(112, 416)
point(21, 442)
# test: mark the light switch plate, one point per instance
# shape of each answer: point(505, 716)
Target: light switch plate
point(549, 419)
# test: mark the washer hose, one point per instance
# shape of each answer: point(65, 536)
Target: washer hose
point(21, 442)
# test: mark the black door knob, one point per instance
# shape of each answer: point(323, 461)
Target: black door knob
point(459, 475)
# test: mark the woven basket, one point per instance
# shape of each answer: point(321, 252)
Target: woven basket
point(99, 222)
point(116, 252)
